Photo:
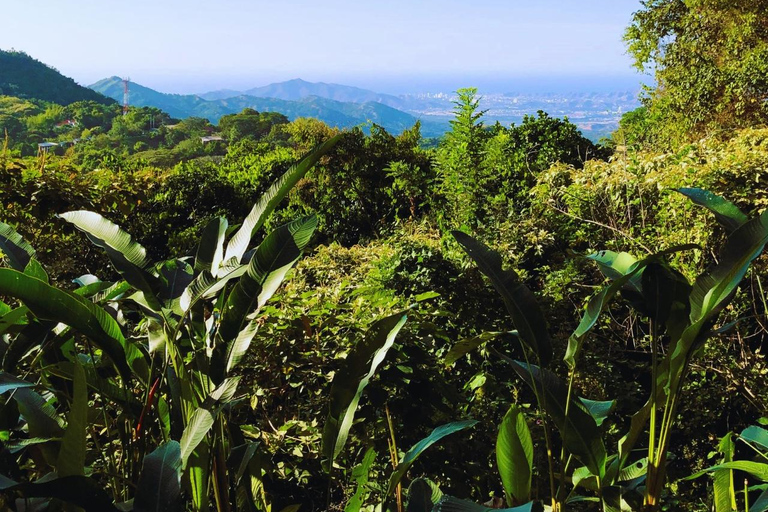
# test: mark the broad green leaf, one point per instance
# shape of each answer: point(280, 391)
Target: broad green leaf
point(107, 234)
point(519, 300)
point(9, 382)
point(34, 269)
point(451, 504)
point(467, 345)
point(666, 293)
point(16, 317)
point(274, 257)
point(727, 214)
point(360, 475)
point(758, 470)
point(713, 288)
point(352, 378)
point(723, 484)
point(210, 250)
point(755, 435)
point(271, 198)
point(238, 348)
point(514, 456)
point(416, 450)
point(16, 445)
point(614, 265)
point(176, 276)
point(635, 470)
point(761, 503)
point(599, 409)
point(71, 460)
point(599, 302)
point(199, 425)
point(42, 419)
point(578, 429)
point(84, 492)
point(49, 303)
point(224, 391)
point(423, 495)
point(15, 248)
point(159, 488)
point(127, 256)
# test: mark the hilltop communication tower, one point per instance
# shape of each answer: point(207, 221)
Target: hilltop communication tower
point(126, 80)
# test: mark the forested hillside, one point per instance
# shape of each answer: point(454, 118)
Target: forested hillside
point(274, 314)
point(24, 77)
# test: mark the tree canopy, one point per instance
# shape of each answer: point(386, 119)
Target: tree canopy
point(710, 61)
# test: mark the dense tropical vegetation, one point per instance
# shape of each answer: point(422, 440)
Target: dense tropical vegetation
point(277, 315)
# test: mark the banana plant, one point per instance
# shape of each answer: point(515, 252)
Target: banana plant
point(174, 377)
point(681, 314)
point(684, 314)
point(724, 483)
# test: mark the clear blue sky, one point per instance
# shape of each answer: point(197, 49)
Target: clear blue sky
point(390, 45)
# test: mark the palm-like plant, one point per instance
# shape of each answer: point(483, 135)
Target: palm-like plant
point(167, 388)
point(679, 313)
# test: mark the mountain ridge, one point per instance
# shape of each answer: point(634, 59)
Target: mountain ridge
point(332, 112)
point(25, 77)
point(297, 89)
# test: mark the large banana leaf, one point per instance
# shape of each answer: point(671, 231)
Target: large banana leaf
point(271, 198)
point(49, 303)
point(159, 488)
point(15, 248)
point(713, 288)
point(199, 425)
point(273, 259)
point(416, 450)
point(210, 250)
point(755, 435)
point(578, 429)
point(106, 234)
point(758, 470)
point(626, 275)
point(352, 378)
point(726, 213)
point(72, 452)
point(519, 300)
point(614, 265)
point(666, 293)
point(127, 256)
point(514, 456)
point(723, 482)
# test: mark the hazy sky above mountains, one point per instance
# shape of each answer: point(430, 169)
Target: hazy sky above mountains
point(390, 46)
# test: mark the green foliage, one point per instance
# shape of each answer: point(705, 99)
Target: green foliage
point(710, 60)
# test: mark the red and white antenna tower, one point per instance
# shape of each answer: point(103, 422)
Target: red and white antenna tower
point(126, 80)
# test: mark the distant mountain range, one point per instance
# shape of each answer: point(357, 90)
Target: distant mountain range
point(24, 77)
point(298, 89)
point(595, 113)
point(214, 105)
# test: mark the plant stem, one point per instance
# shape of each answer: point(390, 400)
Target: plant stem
point(393, 454)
